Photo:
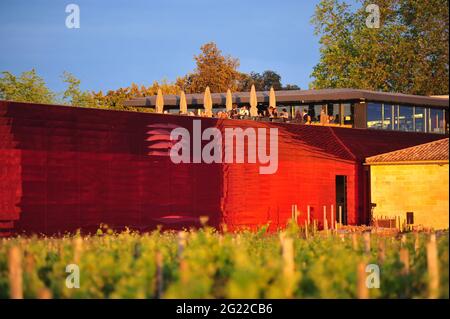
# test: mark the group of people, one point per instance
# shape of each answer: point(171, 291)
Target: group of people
point(271, 114)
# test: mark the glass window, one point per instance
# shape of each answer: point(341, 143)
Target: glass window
point(333, 113)
point(406, 118)
point(436, 121)
point(387, 117)
point(374, 116)
point(348, 111)
point(419, 119)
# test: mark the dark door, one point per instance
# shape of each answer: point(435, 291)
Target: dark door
point(341, 197)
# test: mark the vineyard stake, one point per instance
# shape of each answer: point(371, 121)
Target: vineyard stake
point(15, 273)
point(433, 268)
point(340, 215)
point(366, 237)
point(309, 214)
point(416, 243)
point(325, 222)
point(181, 242)
point(332, 217)
point(306, 229)
point(381, 251)
point(159, 274)
point(78, 249)
point(44, 293)
point(354, 242)
point(362, 291)
point(404, 258)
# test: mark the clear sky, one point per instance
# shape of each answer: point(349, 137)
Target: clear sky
point(120, 42)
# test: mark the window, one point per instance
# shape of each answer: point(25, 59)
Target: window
point(388, 124)
point(348, 110)
point(436, 121)
point(374, 116)
point(419, 119)
point(406, 118)
point(333, 113)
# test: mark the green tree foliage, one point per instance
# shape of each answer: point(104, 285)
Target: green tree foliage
point(408, 53)
point(213, 69)
point(28, 87)
point(73, 94)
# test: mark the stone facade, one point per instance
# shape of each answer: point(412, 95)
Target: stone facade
point(419, 188)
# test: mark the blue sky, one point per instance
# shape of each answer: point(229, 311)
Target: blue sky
point(120, 42)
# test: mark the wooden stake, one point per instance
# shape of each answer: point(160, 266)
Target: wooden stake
point(381, 251)
point(416, 243)
point(159, 274)
point(181, 242)
point(15, 273)
point(366, 237)
point(404, 259)
point(309, 214)
point(306, 229)
point(325, 222)
point(44, 293)
point(433, 268)
point(362, 291)
point(332, 217)
point(78, 243)
point(340, 215)
point(354, 241)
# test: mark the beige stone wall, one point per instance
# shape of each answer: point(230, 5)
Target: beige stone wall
point(419, 188)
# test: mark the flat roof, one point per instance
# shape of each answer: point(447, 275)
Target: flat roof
point(297, 97)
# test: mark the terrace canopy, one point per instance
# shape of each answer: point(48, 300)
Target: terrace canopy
point(294, 97)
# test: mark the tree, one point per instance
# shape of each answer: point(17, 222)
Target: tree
point(408, 53)
point(214, 70)
point(73, 94)
point(28, 87)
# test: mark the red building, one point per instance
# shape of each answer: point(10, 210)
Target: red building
point(65, 168)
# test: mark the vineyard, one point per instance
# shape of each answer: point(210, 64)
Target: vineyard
point(204, 263)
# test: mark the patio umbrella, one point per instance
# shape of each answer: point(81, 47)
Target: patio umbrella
point(229, 101)
point(159, 102)
point(253, 102)
point(207, 102)
point(272, 98)
point(183, 103)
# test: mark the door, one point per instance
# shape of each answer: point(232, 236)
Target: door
point(341, 197)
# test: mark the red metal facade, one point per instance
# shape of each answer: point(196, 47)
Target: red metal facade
point(65, 168)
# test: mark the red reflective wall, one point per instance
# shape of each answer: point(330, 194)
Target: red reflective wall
point(65, 168)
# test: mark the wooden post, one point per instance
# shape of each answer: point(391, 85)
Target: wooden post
point(416, 243)
point(433, 268)
point(314, 226)
point(340, 215)
point(381, 251)
point(404, 259)
point(332, 217)
point(78, 247)
point(287, 248)
point(181, 242)
point(159, 274)
point(306, 229)
point(403, 240)
point(354, 241)
point(44, 293)
point(361, 290)
point(15, 273)
point(325, 222)
point(308, 208)
point(366, 237)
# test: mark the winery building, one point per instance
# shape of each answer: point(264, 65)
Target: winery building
point(66, 168)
